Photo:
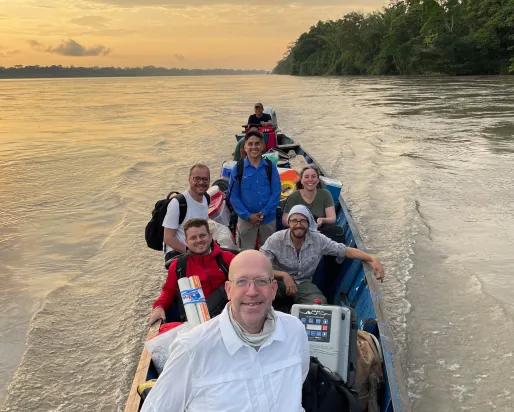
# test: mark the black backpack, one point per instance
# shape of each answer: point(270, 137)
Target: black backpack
point(323, 391)
point(217, 300)
point(154, 231)
point(240, 172)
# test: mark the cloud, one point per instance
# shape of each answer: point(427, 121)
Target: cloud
point(7, 53)
point(91, 21)
point(71, 48)
point(180, 57)
point(357, 4)
point(111, 32)
point(36, 45)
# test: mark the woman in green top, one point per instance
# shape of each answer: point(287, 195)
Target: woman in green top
point(310, 193)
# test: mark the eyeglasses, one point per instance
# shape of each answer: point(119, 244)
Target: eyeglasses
point(261, 282)
point(197, 179)
point(258, 107)
point(295, 222)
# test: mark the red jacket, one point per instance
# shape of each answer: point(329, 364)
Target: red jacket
point(206, 267)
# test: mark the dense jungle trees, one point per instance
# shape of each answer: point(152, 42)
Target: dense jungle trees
point(455, 37)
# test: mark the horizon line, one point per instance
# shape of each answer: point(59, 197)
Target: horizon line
point(21, 66)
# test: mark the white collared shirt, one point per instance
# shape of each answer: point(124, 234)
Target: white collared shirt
point(211, 369)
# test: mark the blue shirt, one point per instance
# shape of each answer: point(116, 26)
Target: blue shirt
point(254, 194)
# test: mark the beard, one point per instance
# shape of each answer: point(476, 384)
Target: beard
point(200, 190)
point(298, 233)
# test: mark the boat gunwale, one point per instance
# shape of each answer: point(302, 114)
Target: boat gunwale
point(395, 378)
point(133, 399)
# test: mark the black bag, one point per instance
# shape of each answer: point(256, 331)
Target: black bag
point(154, 231)
point(333, 232)
point(323, 391)
point(332, 268)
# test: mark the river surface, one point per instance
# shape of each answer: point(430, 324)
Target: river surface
point(428, 172)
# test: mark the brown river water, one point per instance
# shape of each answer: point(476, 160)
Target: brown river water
point(427, 168)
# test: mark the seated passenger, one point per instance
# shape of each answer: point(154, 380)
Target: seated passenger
point(247, 359)
point(259, 118)
point(296, 252)
point(201, 261)
point(197, 207)
point(312, 194)
point(255, 196)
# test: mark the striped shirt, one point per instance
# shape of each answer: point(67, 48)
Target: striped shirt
point(301, 266)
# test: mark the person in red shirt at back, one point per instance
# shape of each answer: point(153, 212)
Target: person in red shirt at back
point(201, 261)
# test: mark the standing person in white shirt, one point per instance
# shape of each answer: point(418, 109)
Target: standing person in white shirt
point(197, 207)
point(248, 359)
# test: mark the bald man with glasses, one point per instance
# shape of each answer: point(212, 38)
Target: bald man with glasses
point(248, 359)
point(296, 252)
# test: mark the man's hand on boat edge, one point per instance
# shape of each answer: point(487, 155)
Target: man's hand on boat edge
point(378, 270)
point(157, 313)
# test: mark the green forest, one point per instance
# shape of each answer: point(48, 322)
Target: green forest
point(20, 72)
point(409, 37)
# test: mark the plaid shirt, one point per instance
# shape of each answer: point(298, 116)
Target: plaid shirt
point(301, 266)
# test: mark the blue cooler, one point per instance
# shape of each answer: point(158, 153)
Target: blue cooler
point(334, 186)
point(226, 168)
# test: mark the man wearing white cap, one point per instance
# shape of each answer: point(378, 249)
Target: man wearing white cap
point(296, 252)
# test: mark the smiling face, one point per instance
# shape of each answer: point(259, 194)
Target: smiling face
point(198, 240)
point(251, 301)
point(299, 225)
point(199, 180)
point(254, 147)
point(310, 179)
point(258, 110)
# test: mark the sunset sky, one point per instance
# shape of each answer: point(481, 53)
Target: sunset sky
point(171, 33)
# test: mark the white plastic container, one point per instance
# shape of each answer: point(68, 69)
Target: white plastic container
point(328, 331)
point(218, 209)
point(213, 190)
point(220, 213)
point(226, 168)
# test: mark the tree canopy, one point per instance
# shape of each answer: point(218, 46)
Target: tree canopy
point(409, 37)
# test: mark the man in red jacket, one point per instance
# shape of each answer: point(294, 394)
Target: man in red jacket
point(201, 261)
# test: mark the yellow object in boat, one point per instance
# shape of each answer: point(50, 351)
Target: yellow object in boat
point(288, 187)
point(144, 388)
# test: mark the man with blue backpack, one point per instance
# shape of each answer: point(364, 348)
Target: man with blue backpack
point(254, 193)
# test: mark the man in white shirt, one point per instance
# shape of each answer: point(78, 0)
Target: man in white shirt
point(248, 359)
point(197, 207)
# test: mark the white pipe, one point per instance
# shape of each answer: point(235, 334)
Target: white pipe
point(201, 307)
point(188, 298)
